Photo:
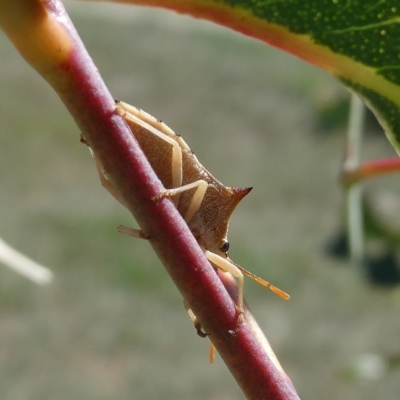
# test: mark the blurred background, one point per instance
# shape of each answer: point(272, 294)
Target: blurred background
point(112, 324)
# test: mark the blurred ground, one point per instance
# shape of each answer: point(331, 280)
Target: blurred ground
point(112, 326)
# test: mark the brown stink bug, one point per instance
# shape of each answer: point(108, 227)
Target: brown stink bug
point(204, 202)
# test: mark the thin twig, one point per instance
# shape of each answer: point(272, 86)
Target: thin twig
point(23, 265)
point(354, 192)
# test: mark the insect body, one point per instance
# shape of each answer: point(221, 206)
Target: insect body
point(204, 202)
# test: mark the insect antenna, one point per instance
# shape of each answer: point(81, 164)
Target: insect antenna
point(261, 281)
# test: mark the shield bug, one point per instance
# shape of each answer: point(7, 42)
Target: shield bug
point(205, 203)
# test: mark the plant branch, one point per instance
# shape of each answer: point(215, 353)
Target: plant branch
point(354, 193)
point(370, 169)
point(24, 265)
point(46, 38)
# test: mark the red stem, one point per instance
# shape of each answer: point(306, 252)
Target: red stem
point(45, 36)
point(371, 169)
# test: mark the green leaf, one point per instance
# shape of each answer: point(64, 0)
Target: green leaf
point(358, 41)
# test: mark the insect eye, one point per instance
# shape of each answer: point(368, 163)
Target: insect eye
point(225, 247)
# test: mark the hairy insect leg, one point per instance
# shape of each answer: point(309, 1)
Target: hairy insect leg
point(227, 266)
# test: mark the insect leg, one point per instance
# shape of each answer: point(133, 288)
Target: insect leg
point(227, 266)
point(200, 331)
point(201, 188)
point(136, 233)
point(159, 129)
point(154, 122)
point(197, 198)
point(176, 160)
point(195, 321)
point(212, 353)
point(263, 282)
